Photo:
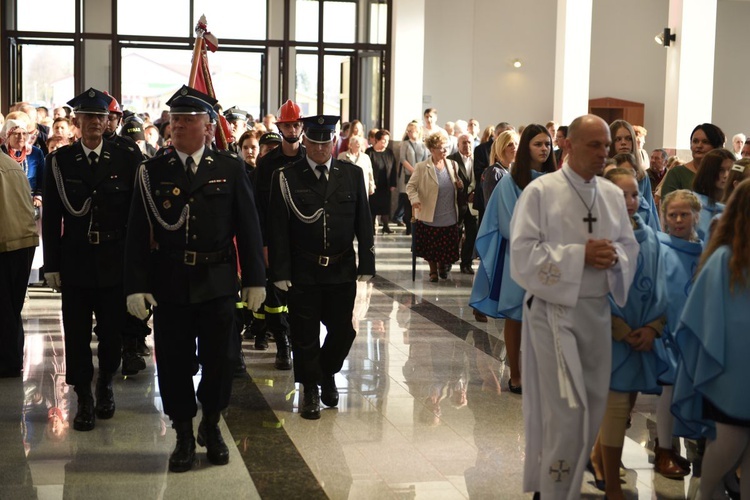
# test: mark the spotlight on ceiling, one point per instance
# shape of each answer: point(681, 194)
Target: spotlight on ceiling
point(517, 63)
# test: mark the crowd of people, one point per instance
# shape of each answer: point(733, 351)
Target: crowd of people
point(564, 221)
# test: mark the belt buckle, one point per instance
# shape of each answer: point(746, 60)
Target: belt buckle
point(94, 237)
point(190, 257)
point(323, 260)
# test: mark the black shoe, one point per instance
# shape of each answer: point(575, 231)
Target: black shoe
point(105, 396)
point(132, 363)
point(515, 389)
point(85, 418)
point(183, 456)
point(386, 230)
point(310, 402)
point(283, 352)
point(467, 269)
point(261, 342)
point(142, 348)
point(209, 436)
point(241, 369)
point(329, 394)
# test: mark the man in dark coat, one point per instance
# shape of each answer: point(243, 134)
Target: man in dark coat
point(319, 205)
point(87, 193)
point(189, 206)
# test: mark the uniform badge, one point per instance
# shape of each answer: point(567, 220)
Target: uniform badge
point(176, 192)
point(217, 181)
point(209, 159)
point(321, 120)
point(92, 93)
point(184, 91)
point(167, 204)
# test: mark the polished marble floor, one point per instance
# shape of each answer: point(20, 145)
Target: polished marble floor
point(424, 413)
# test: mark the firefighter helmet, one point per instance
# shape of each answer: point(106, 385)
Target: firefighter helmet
point(289, 112)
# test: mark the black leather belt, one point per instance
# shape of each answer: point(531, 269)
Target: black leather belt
point(191, 258)
point(96, 237)
point(322, 260)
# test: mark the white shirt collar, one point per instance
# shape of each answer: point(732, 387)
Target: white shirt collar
point(196, 156)
point(97, 150)
point(315, 170)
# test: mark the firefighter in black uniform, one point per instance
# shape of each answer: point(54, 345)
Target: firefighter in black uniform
point(188, 206)
point(275, 308)
point(87, 193)
point(237, 119)
point(135, 331)
point(319, 206)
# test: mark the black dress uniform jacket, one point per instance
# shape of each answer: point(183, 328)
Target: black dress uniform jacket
point(220, 202)
point(299, 251)
point(261, 181)
point(88, 250)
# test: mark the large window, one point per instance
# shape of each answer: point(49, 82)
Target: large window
point(318, 52)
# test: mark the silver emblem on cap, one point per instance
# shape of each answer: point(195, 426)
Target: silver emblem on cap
point(92, 93)
point(321, 120)
point(183, 91)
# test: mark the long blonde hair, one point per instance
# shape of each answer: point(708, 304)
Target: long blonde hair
point(502, 141)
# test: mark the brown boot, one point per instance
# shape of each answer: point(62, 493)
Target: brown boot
point(665, 463)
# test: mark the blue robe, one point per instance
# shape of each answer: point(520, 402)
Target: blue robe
point(714, 342)
point(681, 259)
point(494, 292)
point(647, 208)
point(709, 209)
point(638, 371)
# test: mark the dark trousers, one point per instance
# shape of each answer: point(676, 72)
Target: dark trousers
point(176, 328)
point(276, 310)
point(78, 305)
point(470, 236)
point(14, 275)
point(310, 305)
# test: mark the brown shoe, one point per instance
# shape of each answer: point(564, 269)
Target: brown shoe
point(665, 463)
point(480, 317)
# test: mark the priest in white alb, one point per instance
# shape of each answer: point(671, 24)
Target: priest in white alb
point(572, 244)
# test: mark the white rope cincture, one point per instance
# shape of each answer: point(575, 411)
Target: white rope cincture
point(150, 205)
point(64, 196)
point(563, 377)
point(307, 219)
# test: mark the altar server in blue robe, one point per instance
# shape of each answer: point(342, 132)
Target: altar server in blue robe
point(494, 292)
point(682, 250)
point(624, 142)
point(635, 327)
point(712, 378)
point(709, 185)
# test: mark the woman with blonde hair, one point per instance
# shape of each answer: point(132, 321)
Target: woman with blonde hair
point(432, 192)
point(502, 154)
point(412, 152)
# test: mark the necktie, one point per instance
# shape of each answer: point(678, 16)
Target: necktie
point(93, 158)
point(189, 168)
point(322, 179)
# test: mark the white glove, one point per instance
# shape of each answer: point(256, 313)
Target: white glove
point(282, 285)
point(254, 296)
point(53, 280)
point(364, 277)
point(137, 304)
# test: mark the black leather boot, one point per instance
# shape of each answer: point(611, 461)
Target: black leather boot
point(85, 418)
point(183, 456)
point(209, 436)
point(283, 352)
point(132, 360)
point(240, 370)
point(105, 396)
point(329, 394)
point(310, 408)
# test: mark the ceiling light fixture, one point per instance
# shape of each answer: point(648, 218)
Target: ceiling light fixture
point(517, 63)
